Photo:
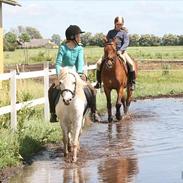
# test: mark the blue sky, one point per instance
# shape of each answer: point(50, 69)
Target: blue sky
point(54, 16)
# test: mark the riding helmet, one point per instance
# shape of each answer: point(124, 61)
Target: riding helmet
point(72, 31)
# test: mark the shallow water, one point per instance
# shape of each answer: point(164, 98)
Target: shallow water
point(145, 147)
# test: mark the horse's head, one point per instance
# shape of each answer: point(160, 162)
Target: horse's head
point(110, 52)
point(67, 85)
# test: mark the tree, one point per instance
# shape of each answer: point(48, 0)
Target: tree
point(10, 41)
point(169, 40)
point(24, 37)
point(33, 33)
point(86, 38)
point(98, 39)
point(155, 40)
point(21, 29)
point(134, 40)
point(180, 39)
point(56, 39)
point(145, 40)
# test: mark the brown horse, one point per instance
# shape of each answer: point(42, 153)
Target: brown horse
point(114, 75)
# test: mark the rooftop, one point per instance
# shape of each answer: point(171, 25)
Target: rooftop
point(10, 2)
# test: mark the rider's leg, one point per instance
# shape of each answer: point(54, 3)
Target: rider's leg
point(52, 95)
point(98, 74)
point(131, 71)
point(93, 106)
point(94, 114)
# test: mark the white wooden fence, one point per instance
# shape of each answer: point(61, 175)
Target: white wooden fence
point(13, 77)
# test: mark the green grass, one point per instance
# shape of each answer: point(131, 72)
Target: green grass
point(150, 84)
point(29, 139)
point(159, 52)
point(21, 56)
point(157, 83)
point(92, 54)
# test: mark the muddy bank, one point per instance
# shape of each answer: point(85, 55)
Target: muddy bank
point(8, 172)
point(142, 65)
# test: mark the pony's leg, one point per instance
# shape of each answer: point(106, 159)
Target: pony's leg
point(69, 143)
point(109, 105)
point(120, 93)
point(76, 135)
point(65, 139)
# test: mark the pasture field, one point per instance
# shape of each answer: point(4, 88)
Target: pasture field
point(92, 54)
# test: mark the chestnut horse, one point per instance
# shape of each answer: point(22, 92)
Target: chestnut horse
point(114, 75)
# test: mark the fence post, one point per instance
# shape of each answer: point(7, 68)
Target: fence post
point(13, 100)
point(46, 87)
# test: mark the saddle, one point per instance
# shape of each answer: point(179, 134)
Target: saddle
point(126, 66)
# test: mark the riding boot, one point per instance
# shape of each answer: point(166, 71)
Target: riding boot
point(98, 85)
point(132, 80)
point(52, 95)
point(53, 118)
point(95, 117)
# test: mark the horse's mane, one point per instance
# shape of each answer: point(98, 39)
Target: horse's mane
point(80, 84)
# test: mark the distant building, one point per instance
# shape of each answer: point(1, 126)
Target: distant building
point(39, 43)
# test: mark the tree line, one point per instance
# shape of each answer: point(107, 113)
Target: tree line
point(25, 34)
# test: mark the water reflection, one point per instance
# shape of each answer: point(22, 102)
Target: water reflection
point(74, 175)
point(121, 168)
point(43, 173)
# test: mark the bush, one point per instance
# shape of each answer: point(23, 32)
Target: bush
point(41, 56)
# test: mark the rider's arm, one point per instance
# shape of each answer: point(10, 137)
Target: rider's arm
point(80, 60)
point(125, 41)
point(59, 59)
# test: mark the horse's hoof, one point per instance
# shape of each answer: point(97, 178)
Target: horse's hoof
point(69, 148)
point(110, 119)
point(74, 159)
point(118, 117)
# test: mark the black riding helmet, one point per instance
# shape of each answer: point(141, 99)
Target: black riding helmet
point(72, 31)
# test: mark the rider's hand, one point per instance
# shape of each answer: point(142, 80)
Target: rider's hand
point(118, 52)
point(56, 82)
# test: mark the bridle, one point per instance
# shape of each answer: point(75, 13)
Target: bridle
point(112, 59)
point(68, 90)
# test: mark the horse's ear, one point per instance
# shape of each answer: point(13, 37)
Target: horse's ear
point(115, 40)
point(105, 40)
